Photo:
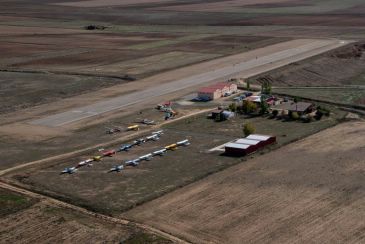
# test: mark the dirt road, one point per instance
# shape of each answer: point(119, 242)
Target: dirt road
point(311, 191)
point(243, 65)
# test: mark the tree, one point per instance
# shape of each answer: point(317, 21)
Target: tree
point(248, 129)
point(218, 117)
point(232, 107)
point(266, 87)
point(295, 100)
point(248, 107)
point(294, 116)
point(275, 113)
point(264, 107)
point(318, 115)
point(248, 84)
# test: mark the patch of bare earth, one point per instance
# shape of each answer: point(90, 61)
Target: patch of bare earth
point(309, 191)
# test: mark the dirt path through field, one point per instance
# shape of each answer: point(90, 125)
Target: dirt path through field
point(309, 191)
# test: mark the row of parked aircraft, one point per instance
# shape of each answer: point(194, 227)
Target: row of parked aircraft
point(109, 153)
point(149, 156)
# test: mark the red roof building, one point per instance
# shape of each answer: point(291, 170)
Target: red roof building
point(216, 91)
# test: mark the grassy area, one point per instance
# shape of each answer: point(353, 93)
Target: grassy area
point(347, 96)
point(359, 80)
point(12, 202)
point(113, 193)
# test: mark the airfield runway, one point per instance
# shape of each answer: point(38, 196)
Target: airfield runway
point(245, 68)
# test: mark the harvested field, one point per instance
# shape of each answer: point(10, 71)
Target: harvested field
point(113, 193)
point(307, 20)
point(309, 191)
point(24, 90)
point(101, 3)
point(40, 223)
point(219, 6)
point(156, 63)
point(343, 66)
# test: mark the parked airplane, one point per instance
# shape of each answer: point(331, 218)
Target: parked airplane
point(154, 137)
point(87, 162)
point(146, 157)
point(113, 130)
point(97, 158)
point(159, 152)
point(117, 168)
point(183, 143)
point(133, 162)
point(125, 147)
point(109, 153)
point(133, 127)
point(147, 122)
point(69, 170)
point(159, 133)
point(138, 142)
point(171, 147)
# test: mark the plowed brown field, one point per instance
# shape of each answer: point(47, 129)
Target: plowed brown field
point(311, 191)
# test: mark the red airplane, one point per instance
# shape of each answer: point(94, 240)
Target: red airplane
point(109, 153)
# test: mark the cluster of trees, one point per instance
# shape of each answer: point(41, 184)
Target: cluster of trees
point(249, 107)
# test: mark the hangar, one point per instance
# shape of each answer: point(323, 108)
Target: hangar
point(250, 144)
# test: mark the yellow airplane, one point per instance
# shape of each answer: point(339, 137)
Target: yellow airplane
point(97, 158)
point(171, 147)
point(133, 127)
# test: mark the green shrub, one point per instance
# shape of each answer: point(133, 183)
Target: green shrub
point(294, 116)
point(248, 107)
point(248, 129)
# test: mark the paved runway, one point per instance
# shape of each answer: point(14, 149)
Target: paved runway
point(245, 69)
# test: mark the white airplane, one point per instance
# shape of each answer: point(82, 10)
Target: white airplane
point(87, 162)
point(154, 137)
point(159, 133)
point(69, 170)
point(146, 157)
point(139, 142)
point(133, 162)
point(117, 168)
point(159, 152)
point(183, 143)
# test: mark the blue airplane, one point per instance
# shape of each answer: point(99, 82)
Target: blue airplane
point(69, 170)
point(125, 147)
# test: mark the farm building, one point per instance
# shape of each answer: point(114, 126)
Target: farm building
point(250, 144)
point(263, 139)
point(257, 99)
point(237, 149)
point(216, 91)
point(299, 107)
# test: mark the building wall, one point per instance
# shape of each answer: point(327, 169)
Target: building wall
point(210, 95)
